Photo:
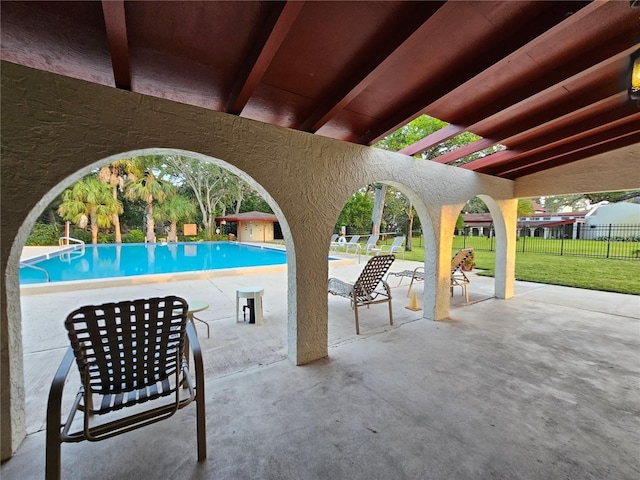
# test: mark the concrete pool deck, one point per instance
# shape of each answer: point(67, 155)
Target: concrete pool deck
point(545, 385)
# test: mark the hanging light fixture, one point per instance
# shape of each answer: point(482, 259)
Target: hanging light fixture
point(634, 84)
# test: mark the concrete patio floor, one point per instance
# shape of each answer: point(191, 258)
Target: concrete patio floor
point(543, 386)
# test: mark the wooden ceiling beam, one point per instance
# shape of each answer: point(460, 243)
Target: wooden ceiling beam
point(486, 56)
point(606, 53)
point(619, 128)
point(116, 26)
point(371, 66)
point(273, 32)
point(604, 147)
point(593, 116)
point(433, 139)
point(465, 150)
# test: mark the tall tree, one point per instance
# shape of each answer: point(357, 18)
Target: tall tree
point(149, 189)
point(210, 184)
point(175, 209)
point(115, 175)
point(89, 201)
point(357, 211)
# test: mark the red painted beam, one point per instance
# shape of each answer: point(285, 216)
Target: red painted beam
point(116, 26)
point(370, 67)
point(590, 63)
point(484, 59)
point(265, 48)
point(599, 113)
point(607, 146)
point(620, 128)
point(498, 158)
point(468, 149)
point(588, 119)
point(433, 139)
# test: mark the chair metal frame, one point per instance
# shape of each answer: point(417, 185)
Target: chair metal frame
point(365, 289)
point(458, 277)
point(396, 246)
point(127, 353)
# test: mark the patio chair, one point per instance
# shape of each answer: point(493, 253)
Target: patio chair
point(365, 289)
point(353, 244)
point(336, 242)
point(458, 278)
point(371, 245)
point(396, 246)
point(128, 354)
point(416, 275)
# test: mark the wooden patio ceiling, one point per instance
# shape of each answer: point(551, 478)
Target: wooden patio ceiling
point(546, 79)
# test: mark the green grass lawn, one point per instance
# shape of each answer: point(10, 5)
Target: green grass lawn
point(621, 276)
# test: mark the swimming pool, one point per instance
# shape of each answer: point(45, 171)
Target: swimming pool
point(134, 259)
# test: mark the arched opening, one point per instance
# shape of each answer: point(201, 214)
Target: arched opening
point(41, 317)
point(372, 224)
point(490, 248)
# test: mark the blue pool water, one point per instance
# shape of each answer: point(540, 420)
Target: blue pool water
point(125, 260)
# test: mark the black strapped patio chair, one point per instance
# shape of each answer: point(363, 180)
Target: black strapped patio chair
point(365, 290)
point(128, 354)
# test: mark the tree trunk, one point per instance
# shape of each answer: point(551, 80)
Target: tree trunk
point(408, 245)
point(173, 232)
point(151, 224)
point(94, 227)
point(115, 218)
point(379, 190)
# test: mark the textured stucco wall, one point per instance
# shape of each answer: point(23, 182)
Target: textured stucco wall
point(55, 129)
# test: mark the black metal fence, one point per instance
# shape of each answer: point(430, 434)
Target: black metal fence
point(604, 241)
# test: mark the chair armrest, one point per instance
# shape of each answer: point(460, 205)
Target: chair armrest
point(199, 370)
point(194, 344)
point(57, 386)
point(386, 287)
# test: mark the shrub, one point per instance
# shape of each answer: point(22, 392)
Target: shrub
point(44, 234)
point(106, 237)
point(134, 236)
point(79, 234)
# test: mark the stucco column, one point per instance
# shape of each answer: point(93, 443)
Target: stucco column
point(444, 223)
point(307, 301)
point(506, 222)
point(12, 414)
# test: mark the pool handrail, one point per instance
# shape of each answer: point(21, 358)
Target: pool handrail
point(66, 242)
point(28, 265)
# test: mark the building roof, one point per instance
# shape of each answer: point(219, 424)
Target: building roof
point(249, 217)
point(547, 80)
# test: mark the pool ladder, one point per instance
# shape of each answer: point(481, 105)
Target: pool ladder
point(66, 241)
point(46, 274)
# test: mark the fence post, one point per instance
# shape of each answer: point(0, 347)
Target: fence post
point(609, 241)
point(562, 242)
point(524, 241)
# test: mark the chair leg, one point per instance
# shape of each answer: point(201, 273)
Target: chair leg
point(54, 412)
point(53, 464)
point(410, 285)
point(357, 320)
point(390, 314)
point(201, 428)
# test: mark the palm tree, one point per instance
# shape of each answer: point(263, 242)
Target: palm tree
point(176, 208)
point(115, 175)
point(149, 189)
point(89, 201)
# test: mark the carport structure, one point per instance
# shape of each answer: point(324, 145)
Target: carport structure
point(289, 95)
